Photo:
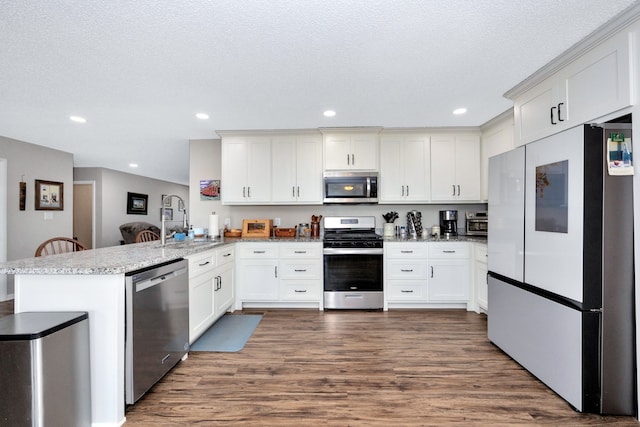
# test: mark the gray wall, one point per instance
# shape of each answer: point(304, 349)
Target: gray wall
point(111, 200)
point(27, 229)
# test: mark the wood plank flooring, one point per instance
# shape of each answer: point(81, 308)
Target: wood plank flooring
point(352, 368)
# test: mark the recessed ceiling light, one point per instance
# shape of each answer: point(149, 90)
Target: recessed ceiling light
point(77, 119)
point(202, 116)
point(459, 111)
point(329, 113)
point(133, 165)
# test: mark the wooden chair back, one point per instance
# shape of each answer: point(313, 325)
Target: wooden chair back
point(147, 236)
point(59, 245)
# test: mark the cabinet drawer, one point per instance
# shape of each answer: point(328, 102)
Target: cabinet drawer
point(448, 250)
point(404, 250)
point(201, 263)
point(300, 270)
point(301, 290)
point(397, 269)
point(258, 252)
point(406, 291)
point(481, 252)
point(225, 255)
point(301, 251)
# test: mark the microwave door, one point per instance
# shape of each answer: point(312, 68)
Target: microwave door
point(346, 189)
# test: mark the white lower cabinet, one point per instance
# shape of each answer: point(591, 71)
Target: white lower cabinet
point(211, 288)
point(279, 274)
point(427, 274)
point(449, 272)
point(405, 271)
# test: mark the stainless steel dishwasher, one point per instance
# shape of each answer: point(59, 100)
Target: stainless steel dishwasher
point(157, 324)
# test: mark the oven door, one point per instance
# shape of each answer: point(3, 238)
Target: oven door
point(352, 269)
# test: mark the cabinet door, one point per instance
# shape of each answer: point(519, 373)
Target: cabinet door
point(223, 293)
point(392, 176)
point(482, 297)
point(449, 280)
point(599, 83)
point(234, 170)
point(417, 163)
point(201, 304)
point(364, 152)
point(259, 172)
point(283, 167)
point(258, 280)
point(309, 170)
point(532, 112)
point(337, 152)
point(443, 179)
point(468, 167)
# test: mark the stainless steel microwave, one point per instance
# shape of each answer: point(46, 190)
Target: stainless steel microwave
point(350, 187)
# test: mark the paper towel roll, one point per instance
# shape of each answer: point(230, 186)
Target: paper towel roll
point(214, 228)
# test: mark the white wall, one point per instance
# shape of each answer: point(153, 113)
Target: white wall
point(111, 200)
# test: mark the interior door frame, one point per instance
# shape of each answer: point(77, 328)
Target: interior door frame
point(3, 228)
point(93, 209)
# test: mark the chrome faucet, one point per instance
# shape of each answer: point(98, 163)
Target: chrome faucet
point(181, 207)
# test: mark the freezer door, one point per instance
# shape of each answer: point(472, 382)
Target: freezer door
point(547, 338)
point(506, 210)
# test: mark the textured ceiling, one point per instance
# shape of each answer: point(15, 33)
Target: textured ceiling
point(139, 70)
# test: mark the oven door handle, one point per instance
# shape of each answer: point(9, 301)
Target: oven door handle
point(352, 251)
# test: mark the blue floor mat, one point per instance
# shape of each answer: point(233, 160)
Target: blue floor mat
point(229, 334)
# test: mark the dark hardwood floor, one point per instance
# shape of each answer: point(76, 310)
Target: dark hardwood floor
point(351, 368)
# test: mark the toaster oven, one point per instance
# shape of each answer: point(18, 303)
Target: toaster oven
point(477, 223)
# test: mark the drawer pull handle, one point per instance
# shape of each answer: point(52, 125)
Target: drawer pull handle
point(406, 270)
point(300, 291)
point(300, 270)
point(203, 264)
point(259, 252)
point(226, 255)
point(406, 291)
point(406, 252)
point(299, 252)
point(448, 252)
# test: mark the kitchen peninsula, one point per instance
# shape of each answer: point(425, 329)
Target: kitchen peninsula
point(94, 281)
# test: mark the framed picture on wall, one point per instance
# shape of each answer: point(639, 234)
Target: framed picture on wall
point(168, 214)
point(166, 203)
point(137, 203)
point(49, 195)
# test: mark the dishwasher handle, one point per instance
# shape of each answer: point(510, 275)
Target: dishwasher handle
point(154, 281)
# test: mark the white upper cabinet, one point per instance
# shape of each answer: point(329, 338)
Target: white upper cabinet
point(404, 168)
point(246, 170)
point(296, 169)
point(261, 168)
point(595, 84)
point(455, 168)
point(351, 150)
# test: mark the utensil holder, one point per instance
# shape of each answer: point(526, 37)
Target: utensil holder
point(389, 230)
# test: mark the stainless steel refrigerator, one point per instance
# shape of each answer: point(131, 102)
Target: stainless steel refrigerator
point(561, 275)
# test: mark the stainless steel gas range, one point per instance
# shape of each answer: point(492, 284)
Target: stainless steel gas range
point(353, 277)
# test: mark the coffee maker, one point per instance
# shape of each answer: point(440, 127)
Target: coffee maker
point(448, 224)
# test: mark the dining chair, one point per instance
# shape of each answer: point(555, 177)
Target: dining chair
point(147, 236)
point(59, 245)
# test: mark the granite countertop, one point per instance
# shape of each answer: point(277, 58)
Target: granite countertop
point(123, 259)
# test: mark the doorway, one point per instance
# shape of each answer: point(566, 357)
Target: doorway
point(84, 213)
